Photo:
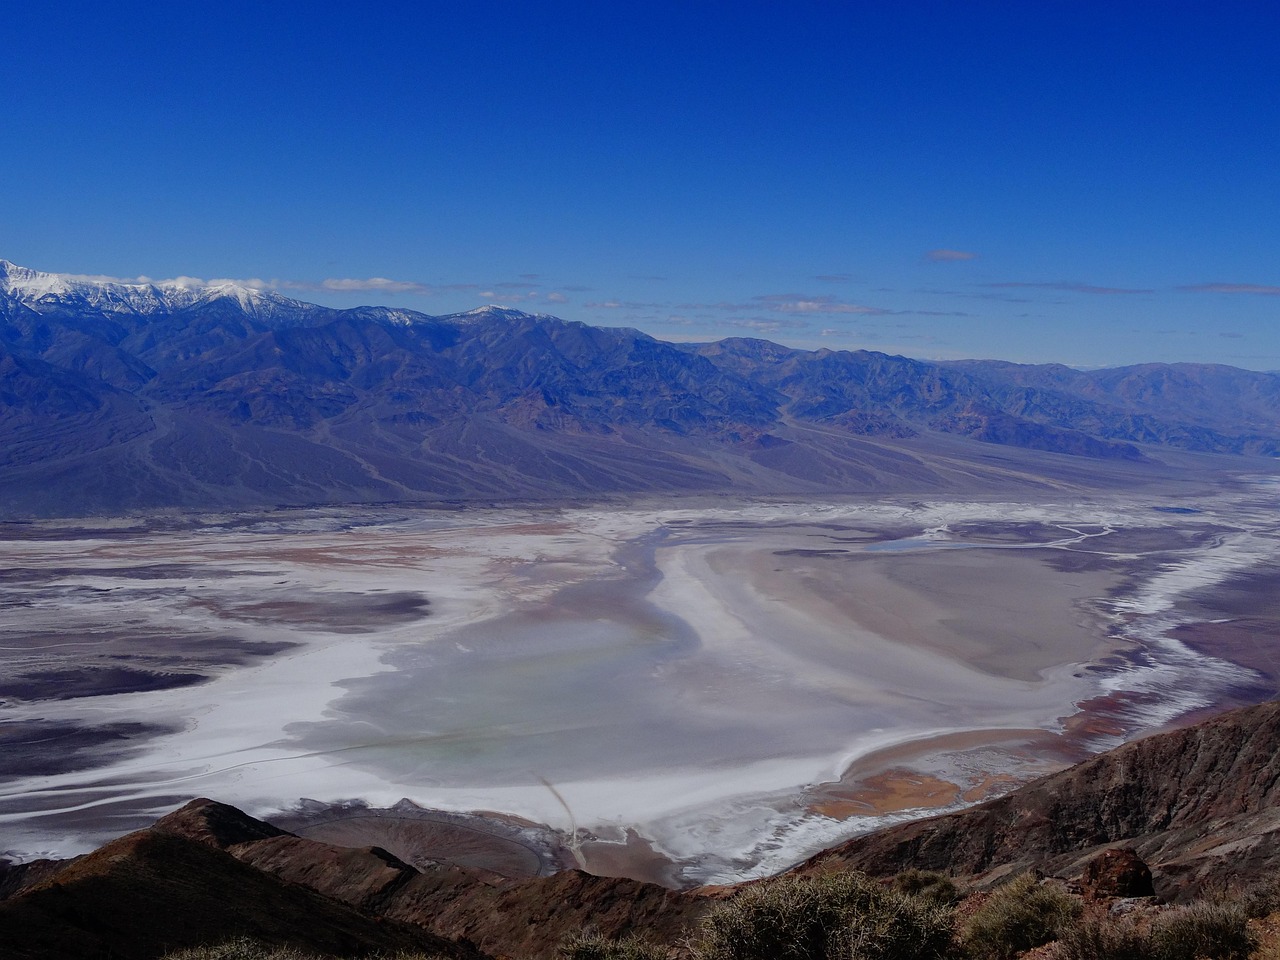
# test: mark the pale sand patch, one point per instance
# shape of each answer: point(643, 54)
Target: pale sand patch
point(938, 772)
point(892, 792)
point(1008, 612)
point(878, 644)
point(634, 857)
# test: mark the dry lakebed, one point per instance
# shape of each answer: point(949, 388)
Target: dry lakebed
point(688, 691)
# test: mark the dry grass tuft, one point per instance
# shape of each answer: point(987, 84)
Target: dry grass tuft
point(1019, 916)
point(824, 918)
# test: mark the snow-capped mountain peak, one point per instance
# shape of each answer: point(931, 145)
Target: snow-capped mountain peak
point(141, 295)
point(492, 310)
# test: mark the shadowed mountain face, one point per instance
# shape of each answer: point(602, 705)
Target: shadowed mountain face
point(124, 396)
point(157, 891)
point(208, 873)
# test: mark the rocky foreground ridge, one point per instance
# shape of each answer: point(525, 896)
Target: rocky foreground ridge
point(1198, 805)
point(120, 397)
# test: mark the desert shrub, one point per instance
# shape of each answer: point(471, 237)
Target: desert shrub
point(1260, 899)
point(592, 946)
point(1020, 915)
point(1095, 939)
point(241, 948)
point(1208, 930)
point(839, 917)
point(244, 948)
point(928, 885)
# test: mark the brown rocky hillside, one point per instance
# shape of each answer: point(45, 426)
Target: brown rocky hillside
point(1198, 805)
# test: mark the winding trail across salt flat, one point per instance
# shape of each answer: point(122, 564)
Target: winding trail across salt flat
point(695, 674)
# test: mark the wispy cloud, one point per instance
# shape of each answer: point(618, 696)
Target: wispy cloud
point(1262, 289)
point(768, 324)
point(950, 256)
point(507, 296)
point(802, 303)
point(623, 305)
point(1069, 288)
point(724, 306)
point(375, 284)
point(834, 277)
point(512, 293)
point(250, 283)
point(330, 284)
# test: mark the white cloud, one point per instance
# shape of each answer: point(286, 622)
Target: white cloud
point(1070, 288)
point(802, 303)
point(768, 324)
point(379, 284)
point(253, 283)
point(950, 256)
point(1261, 289)
point(508, 297)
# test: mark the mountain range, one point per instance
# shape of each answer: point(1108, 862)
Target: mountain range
point(126, 396)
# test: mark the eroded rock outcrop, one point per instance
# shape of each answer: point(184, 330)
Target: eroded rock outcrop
point(1197, 804)
point(1118, 872)
point(155, 891)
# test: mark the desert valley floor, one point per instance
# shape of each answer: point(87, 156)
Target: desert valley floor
point(689, 691)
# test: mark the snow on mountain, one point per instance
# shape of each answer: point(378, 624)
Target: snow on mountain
point(36, 289)
point(492, 311)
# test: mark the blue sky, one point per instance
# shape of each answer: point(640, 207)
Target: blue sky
point(1086, 183)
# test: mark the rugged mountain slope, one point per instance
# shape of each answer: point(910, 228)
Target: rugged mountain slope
point(155, 891)
point(1200, 805)
point(208, 872)
point(131, 396)
point(1193, 406)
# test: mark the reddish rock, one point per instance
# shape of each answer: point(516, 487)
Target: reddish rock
point(1119, 872)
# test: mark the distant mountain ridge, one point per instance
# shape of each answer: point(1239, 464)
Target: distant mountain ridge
point(122, 396)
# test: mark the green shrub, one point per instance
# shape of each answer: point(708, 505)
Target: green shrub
point(1212, 929)
point(928, 885)
point(1020, 915)
point(840, 917)
point(592, 946)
